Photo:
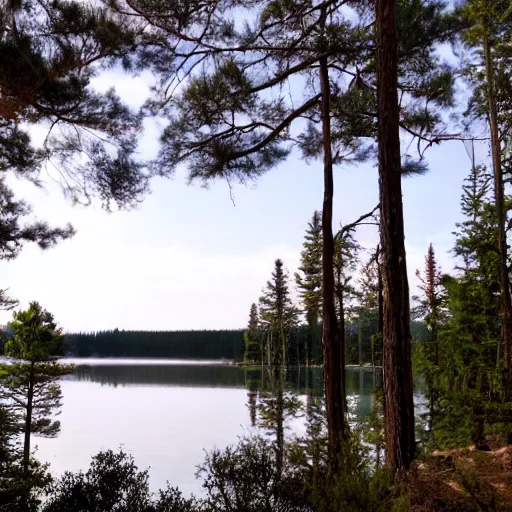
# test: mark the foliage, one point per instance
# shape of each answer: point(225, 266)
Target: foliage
point(16, 381)
point(7, 303)
point(114, 483)
point(465, 384)
point(230, 117)
point(276, 306)
point(50, 53)
point(222, 344)
point(15, 232)
point(278, 315)
point(489, 20)
point(29, 387)
point(245, 478)
point(346, 252)
point(309, 279)
point(36, 337)
point(472, 331)
point(19, 490)
point(431, 305)
point(252, 338)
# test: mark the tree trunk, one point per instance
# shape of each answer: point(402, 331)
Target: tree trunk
point(28, 420)
point(499, 193)
point(311, 334)
point(380, 293)
point(343, 345)
point(283, 346)
point(360, 341)
point(435, 335)
point(397, 366)
point(333, 376)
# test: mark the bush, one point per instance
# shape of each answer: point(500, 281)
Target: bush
point(113, 483)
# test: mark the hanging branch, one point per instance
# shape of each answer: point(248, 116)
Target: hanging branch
point(349, 227)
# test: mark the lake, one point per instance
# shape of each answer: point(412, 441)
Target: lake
point(166, 413)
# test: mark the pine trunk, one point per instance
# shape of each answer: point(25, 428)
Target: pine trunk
point(311, 331)
point(343, 345)
point(333, 375)
point(397, 366)
point(28, 420)
point(499, 193)
point(380, 303)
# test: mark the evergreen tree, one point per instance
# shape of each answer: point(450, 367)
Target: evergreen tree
point(253, 318)
point(463, 387)
point(49, 54)
point(345, 263)
point(489, 27)
point(252, 338)
point(473, 329)
point(232, 120)
point(277, 315)
point(309, 279)
point(30, 388)
point(430, 305)
point(19, 490)
point(369, 284)
point(397, 364)
point(369, 311)
point(6, 302)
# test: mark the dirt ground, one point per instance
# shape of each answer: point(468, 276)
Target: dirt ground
point(465, 479)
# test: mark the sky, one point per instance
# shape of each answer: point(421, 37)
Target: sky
point(196, 258)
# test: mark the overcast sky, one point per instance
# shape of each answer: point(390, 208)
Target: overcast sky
point(188, 258)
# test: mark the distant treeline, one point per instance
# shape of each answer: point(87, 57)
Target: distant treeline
point(223, 344)
point(226, 344)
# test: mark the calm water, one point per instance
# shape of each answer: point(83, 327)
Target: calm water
point(166, 413)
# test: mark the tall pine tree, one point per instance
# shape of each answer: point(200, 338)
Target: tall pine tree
point(309, 279)
point(397, 364)
point(489, 28)
point(277, 315)
point(232, 119)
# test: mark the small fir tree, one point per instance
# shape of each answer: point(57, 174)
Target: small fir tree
point(252, 338)
point(29, 387)
point(430, 305)
point(309, 279)
point(277, 315)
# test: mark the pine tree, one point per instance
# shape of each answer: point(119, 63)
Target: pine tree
point(49, 55)
point(277, 315)
point(397, 364)
point(370, 306)
point(309, 279)
point(345, 264)
point(252, 338)
point(232, 120)
point(489, 27)
point(430, 305)
point(369, 284)
point(30, 388)
point(474, 311)
point(253, 318)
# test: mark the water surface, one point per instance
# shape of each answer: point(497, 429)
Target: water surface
point(166, 413)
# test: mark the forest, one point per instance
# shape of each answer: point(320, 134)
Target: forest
point(236, 89)
point(224, 344)
point(171, 344)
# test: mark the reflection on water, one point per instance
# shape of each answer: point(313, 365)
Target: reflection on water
point(203, 376)
point(167, 413)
